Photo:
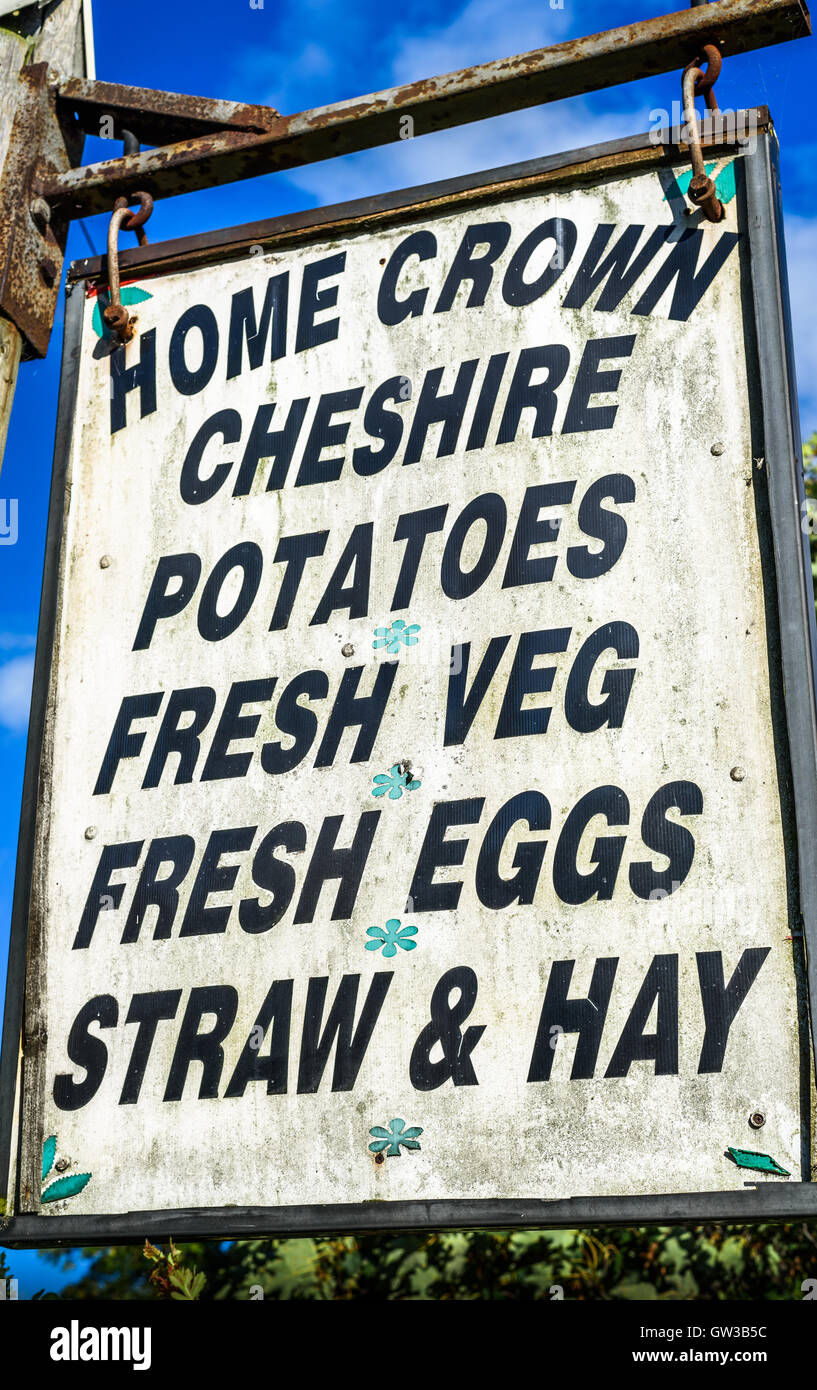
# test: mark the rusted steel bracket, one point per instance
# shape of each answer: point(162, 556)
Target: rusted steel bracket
point(548, 74)
point(32, 234)
point(158, 118)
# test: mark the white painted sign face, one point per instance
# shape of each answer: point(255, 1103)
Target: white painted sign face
point(412, 824)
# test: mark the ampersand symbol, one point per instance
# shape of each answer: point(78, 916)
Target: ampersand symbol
point(445, 1029)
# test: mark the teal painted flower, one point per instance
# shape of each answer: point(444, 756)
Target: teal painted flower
point(390, 937)
point(394, 782)
point(130, 294)
point(61, 1188)
point(390, 1139)
point(392, 637)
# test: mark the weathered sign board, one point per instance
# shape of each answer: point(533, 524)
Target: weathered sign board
point(420, 815)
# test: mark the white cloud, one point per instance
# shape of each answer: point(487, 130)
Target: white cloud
point(15, 692)
point(467, 149)
point(481, 32)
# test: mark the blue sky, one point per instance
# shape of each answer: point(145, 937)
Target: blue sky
point(294, 54)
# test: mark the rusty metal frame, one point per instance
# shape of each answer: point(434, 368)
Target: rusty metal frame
point(198, 161)
point(32, 239)
point(793, 659)
point(205, 143)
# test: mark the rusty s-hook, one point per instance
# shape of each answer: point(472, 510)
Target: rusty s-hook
point(116, 315)
point(695, 82)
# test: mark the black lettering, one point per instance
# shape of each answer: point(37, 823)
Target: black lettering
point(433, 409)
point(141, 374)
point(681, 263)
point(193, 1046)
point(531, 531)
point(668, 838)
point(329, 862)
point(215, 877)
point(314, 300)
point(486, 400)
point(122, 856)
point(264, 443)
point(437, 852)
point(455, 581)
point(243, 324)
point(351, 1046)
point(478, 270)
point(583, 1016)
point(273, 1065)
point(391, 310)
point(123, 743)
point(273, 874)
point(580, 712)
point(597, 521)
point(294, 551)
point(162, 893)
point(514, 721)
point(634, 1045)
point(721, 1002)
point(187, 382)
point(461, 708)
point(324, 434)
point(234, 726)
point(146, 1010)
point(353, 711)
point(492, 889)
point(214, 626)
point(86, 1051)
point(182, 739)
point(572, 886)
point(590, 381)
point(354, 596)
point(380, 423)
point(517, 290)
point(195, 489)
point(539, 396)
point(294, 719)
point(414, 527)
point(616, 269)
point(162, 602)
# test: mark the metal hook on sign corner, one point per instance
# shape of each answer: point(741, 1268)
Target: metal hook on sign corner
point(116, 315)
point(696, 82)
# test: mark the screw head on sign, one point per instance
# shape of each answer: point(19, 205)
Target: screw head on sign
point(717, 450)
point(90, 832)
point(347, 649)
point(737, 774)
point(757, 1120)
point(61, 1165)
point(105, 562)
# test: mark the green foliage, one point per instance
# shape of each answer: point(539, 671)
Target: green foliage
point(170, 1277)
point(714, 1262)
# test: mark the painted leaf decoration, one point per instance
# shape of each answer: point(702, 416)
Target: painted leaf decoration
point(49, 1154)
point(130, 294)
point(725, 186)
point(66, 1187)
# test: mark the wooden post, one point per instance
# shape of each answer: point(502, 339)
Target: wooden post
point(61, 39)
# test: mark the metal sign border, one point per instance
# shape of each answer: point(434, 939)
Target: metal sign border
point(778, 437)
